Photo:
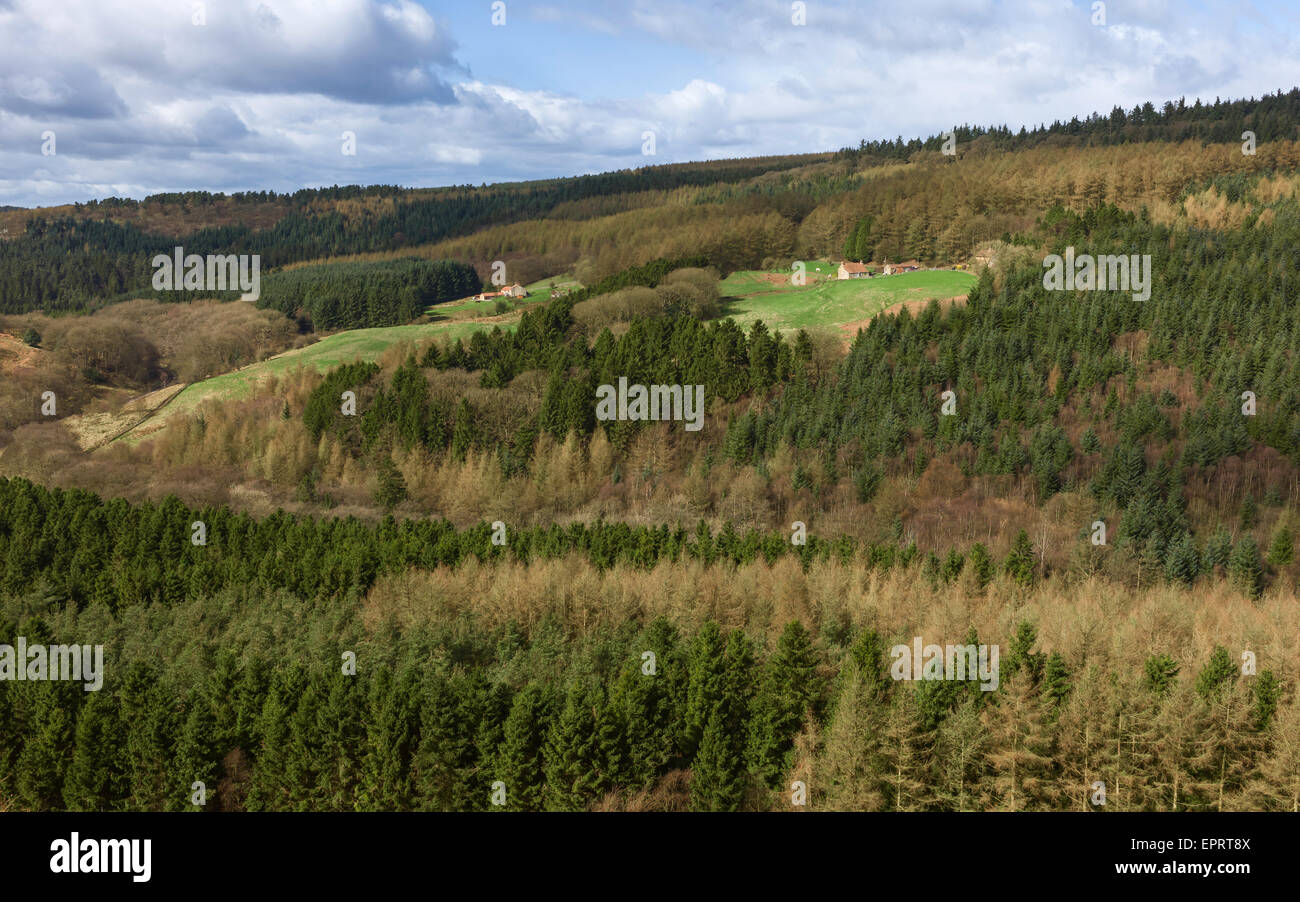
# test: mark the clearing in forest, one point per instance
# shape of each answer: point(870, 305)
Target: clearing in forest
point(829, 302)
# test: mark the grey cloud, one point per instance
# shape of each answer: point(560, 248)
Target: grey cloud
point(386, 56)
point(267, 18)
point(218, 126)
point(71, 90)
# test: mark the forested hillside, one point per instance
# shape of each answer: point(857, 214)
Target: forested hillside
point(1103, 483)
point(738, 212)
point(73, 263)
point(457, 686)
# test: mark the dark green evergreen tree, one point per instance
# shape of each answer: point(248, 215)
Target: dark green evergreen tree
point(1218, 672)
point(718, 781)
point(1246, 568)
point(790, 691)
point(519, 759)
point(1160, 671)
point(195, 758)
point(1020, 562)
point(1282, 549)
point(572, 752)
point(390, 487)
point(1266, 692)
point(97, 779)
point(1249, 513)
point(705, 684)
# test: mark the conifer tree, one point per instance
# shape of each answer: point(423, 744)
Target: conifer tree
point(1218, 549)
point(870, 655)
point(1276, 786)
point(219, 695)
point(1020, 562)
point(1266, 691)
point(1249, 513)
point(269, 789)
point(1082, 743)
point(718, 779)
point(981, 565)
point(1246, 568)
point(1133, 741)
point(1019, 745)
point(1021, 656)
point(390, 488)
point(444, 759)
point(612, 765)
point(10, 732)
point(462, 435)
point(1232, 744)
point(195, 758)
point(653, 704)
point(303, 759)
point(1281, 550)
point(1218, 672)
point(1183, 563)
point(146, 714)
point(790, 691)
point(1182, 754)
point(906, 747)
point(248, 697)
point(705, 686)
point(97, 778)
point(551, 418)
point(572, 753)
point(519, 758)
point(1056, 685)
point(50, 726)
point(960, 754)
point(848, 770)
point(1160, 671)
point(391, 728)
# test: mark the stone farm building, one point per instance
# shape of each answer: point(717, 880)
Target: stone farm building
point(909, 266)
point(510, 291)
point(851, 270)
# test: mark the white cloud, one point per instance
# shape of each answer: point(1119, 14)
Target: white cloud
point(142, 100)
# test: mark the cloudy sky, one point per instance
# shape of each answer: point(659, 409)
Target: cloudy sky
point(143, 96)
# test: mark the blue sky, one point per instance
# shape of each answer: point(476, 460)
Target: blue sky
point(571, 48)
point(143, 96)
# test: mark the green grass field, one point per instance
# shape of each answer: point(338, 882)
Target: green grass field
point(341, 347)
point(747, 297)
point(537, 291)
point(456, 310)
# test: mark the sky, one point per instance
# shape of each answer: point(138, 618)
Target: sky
point(127, 98)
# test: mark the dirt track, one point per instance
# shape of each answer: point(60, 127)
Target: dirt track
point(14, 355)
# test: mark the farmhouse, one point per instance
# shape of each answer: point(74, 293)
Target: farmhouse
point(488, 295)
point(515, 291)
point(909, 266)
point(851, 270)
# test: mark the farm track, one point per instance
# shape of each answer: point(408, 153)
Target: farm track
point(506, 319)
point(149, 414)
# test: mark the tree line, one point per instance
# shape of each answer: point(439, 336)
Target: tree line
point(361, 295)
point(1273, 117)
